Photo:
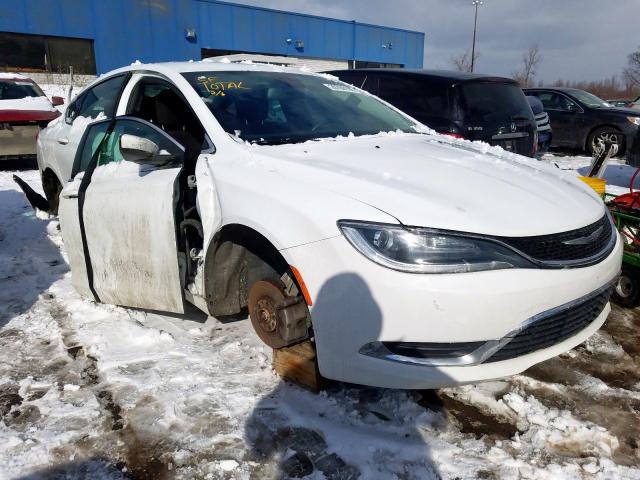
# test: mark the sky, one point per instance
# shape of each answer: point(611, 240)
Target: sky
point(578, 39)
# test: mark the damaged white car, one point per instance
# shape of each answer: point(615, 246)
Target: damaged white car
point(410, 260)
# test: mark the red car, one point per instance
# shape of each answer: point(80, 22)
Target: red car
point(24, 110)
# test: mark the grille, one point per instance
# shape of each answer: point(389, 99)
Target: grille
point(553, 328)
point(554, 248)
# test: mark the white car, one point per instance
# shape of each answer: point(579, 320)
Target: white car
point(410, 260)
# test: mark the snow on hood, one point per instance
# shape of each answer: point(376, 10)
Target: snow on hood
point(429, 181)
point(28, 103)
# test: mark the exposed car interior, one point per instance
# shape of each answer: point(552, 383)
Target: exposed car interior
point(157, 102)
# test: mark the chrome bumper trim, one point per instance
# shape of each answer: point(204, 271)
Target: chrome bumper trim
point(378, 350)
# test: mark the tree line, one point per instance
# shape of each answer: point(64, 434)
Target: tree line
point(624, 86)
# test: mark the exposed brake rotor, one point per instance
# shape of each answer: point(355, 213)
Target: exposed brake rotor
point(278, 319)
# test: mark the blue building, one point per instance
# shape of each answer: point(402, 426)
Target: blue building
point(95, 36)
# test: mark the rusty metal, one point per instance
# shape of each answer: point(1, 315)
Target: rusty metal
point(278, 319)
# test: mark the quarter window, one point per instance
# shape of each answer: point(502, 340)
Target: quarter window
point(100, 99)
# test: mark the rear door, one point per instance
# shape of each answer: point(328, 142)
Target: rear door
point(62, 139)
point(118, 218)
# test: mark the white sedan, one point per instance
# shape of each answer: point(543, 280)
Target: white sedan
point(409, 259)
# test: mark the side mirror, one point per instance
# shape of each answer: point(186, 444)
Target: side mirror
point(571, 107)
point(142, 150)
point(57, 101)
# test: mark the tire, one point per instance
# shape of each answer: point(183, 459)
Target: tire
point(627, 290)
point(605, 133)
point(52, 188)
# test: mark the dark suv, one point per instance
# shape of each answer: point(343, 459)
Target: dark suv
point(582, 120)
point(465, 105)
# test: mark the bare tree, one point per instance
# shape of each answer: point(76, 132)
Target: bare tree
point(462, 62)
point(632, 72)
point(530, 61)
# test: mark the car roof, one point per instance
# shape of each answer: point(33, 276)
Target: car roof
point(14, 77)
point(456, 76)
point(212, 65)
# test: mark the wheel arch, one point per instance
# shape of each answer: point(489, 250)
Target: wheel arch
point(238, 256)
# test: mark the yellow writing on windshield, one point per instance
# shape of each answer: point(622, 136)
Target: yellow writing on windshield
point(216, 87)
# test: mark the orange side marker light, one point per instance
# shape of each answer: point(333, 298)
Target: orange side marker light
point(303, 286)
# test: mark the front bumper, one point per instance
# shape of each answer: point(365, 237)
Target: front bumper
point(357, 303)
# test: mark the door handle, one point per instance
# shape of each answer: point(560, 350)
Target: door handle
point(63, 141)
point(70, 195)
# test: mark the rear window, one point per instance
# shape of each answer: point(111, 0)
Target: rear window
point(488, 102)
point(15, 90)
point(420, 98)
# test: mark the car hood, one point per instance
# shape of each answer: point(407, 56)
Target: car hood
point(621, 111)
point(431, 181)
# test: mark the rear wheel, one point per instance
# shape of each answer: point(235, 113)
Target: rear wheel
point(605, 135)
point(52, 188)
point(627, 290)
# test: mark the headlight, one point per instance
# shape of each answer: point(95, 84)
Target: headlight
point(422, 250)
point(634, 120)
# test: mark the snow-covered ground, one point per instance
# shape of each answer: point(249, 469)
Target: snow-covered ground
point(97, 391)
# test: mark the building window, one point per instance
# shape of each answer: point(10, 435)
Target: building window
point(38, 53)
point(361, 64)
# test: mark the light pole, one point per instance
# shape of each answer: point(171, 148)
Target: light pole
point(476, 3)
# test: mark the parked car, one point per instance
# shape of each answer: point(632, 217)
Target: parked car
point(545, 134)
point(331, 216)
point(581, 120)
point(24, 110)
point(464, 105)
point(620, 102)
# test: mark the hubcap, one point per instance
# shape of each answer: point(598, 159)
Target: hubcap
point(624, 287)
point(606, 137)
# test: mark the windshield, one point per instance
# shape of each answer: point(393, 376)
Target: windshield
point(15, 90)
point(489, 102)
point(589, 99)
point(275, 107)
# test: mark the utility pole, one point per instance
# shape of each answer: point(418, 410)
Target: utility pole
point(476, 3)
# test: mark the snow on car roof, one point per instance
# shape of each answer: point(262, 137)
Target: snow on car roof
point(12, 76)
point(218, 64)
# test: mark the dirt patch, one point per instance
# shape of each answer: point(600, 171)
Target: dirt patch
point(8, 398)
point(624, 327)
point(619, 414)
point(23, 418)
point(474, 421)
point(10, 333)
point(105, 397)
point(145, 459)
